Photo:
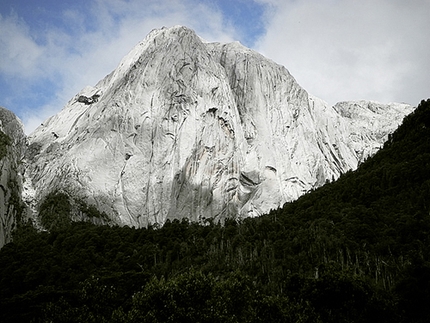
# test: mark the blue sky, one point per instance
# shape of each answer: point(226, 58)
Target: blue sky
point(336, 49)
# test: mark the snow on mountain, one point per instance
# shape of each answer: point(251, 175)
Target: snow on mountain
point(185, 128)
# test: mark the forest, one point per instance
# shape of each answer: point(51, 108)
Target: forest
point(355, 250)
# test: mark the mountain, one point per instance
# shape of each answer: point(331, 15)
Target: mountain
point(12, 149)
point(185, 128)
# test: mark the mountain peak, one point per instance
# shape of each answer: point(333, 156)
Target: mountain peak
point(184, 128)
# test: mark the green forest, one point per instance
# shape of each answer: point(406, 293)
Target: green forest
point(354, 250)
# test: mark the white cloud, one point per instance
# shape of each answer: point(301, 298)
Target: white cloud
point(347, 50)
point(18, 51)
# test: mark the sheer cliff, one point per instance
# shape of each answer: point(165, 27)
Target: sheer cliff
point(12, 149)
point(186, 128)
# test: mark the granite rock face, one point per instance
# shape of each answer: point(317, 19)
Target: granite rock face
point(185, 128)
point(12, 149)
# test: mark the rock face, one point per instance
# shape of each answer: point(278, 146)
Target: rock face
point(184, 128)
point(12, 148)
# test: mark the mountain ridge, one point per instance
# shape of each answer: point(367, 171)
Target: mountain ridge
point(184, 128)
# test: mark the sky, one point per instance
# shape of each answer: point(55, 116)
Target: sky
point(337, 50)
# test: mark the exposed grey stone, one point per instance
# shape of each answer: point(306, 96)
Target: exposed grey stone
point(11, 206)
point(184, 128)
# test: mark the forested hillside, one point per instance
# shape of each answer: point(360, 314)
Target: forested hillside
point(355, 250)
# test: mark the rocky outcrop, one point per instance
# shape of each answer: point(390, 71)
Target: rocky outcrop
point(184, 128)
point(370, 123)
point(12, 149)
